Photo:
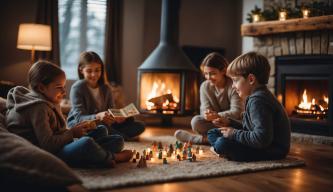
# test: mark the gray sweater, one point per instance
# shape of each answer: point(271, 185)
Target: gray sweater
point(84, 104)
point(41, 122)
point(265, 123)
point(226, 102)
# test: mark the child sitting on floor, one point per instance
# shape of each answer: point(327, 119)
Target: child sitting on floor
point(35, 115)
point(217, 98)
point(91, 98)
point(265, 130)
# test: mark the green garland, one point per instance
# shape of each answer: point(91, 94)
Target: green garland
point(316, 9)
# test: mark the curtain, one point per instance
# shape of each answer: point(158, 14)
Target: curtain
point(112, 41)
point(47, 13)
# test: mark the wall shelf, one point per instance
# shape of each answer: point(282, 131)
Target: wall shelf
point(289, 25)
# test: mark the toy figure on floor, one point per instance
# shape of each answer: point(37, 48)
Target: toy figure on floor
point(91, 98)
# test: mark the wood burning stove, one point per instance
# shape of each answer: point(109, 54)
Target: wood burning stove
point(167, 80)
point(304, 84)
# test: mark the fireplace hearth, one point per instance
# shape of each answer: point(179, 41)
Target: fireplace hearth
point(304, 85)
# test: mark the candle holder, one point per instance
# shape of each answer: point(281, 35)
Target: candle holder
point(255, 18)
point(283, 15)
point(306, 13)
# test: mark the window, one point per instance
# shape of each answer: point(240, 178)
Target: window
point(81, 28)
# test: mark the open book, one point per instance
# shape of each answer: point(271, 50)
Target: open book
point(128, 111)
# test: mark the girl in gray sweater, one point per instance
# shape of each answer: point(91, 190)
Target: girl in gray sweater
point(35, 115)
point(217, 99)
point(91, 98)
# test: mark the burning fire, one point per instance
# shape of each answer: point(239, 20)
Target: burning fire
point(313, 107)
point(160, 97)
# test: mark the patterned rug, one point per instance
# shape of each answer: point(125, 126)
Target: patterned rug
point(207, 165)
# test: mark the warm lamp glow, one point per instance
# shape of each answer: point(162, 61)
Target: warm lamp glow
point(282, 15)
point(306, 13)
point(255, 18)
point(34, 37)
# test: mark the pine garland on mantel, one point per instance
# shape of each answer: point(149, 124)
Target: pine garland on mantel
point(316, 9)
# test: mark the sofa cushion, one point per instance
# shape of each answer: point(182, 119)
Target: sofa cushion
point(2, 112)
point(25, 164)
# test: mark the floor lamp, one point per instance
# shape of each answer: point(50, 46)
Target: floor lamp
point(34, 37)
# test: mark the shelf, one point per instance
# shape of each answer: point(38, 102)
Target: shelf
point(289, 25)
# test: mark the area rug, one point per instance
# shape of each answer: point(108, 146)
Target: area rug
point(207, 165)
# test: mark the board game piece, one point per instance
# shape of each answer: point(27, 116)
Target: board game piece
point(165, 161)
point(194, 157)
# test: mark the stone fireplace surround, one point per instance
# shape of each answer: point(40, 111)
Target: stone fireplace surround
point(293, 37)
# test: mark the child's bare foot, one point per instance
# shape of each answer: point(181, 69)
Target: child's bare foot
point(123, 156)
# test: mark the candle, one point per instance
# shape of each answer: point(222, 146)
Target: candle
point(173, 157)
point(200, 152)
point(255, 18)
point(152, 159)
point(148, 150)
point(282, 15)
point(306, 13)
point(164, 153)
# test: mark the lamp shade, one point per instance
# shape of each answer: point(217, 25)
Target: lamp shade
point(34, 36)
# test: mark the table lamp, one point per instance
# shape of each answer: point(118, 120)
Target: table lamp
point(34, 37)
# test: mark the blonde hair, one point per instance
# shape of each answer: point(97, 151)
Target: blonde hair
point(250, 63)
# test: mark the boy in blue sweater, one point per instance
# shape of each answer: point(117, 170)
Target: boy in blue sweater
point(264, 133)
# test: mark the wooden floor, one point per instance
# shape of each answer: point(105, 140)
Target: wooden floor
point(317, 175)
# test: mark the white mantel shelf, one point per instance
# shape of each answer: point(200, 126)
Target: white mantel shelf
point(289, 25)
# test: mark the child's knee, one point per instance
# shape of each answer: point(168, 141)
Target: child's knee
point(222, 145)
point(102, 130)
point(215, 132)
point(87, 142)
point(118, 142)
point(197, 125)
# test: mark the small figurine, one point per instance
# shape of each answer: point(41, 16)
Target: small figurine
point(177, 145)
point(147, 157)
point(181, 146)
point(189, 154)
point(154, 146)
point(169, 154)
point(134, 160)
point(184, 155)
point(197, 149)
point(171, 148)
point(160, 155)
point(165, 161)
point(178, 157)
point(194, 158)
point(144, 153)
point(160, 146)
point(142, 163)
point(189, 144)
point(137, 156)
point(151, 155)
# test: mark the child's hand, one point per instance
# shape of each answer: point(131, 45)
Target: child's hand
point(79, 130)
point(227, 132)
point(120, 119)
point(210, 115)
point(105, 117)
point(221, 122)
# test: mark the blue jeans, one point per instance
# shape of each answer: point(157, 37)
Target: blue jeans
point(235, 151)
point(128, 129)
point(94, 149)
